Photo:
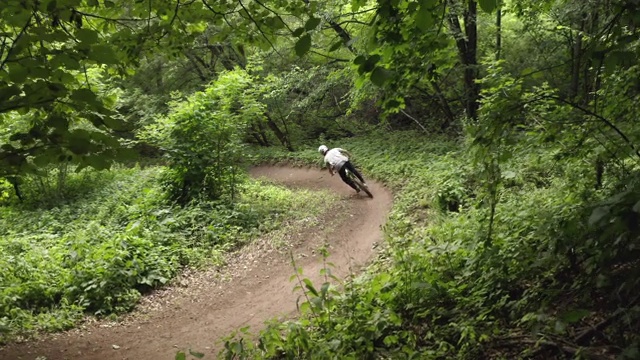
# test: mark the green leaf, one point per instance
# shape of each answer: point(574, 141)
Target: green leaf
point(359, 60)
point(59, 122)
point(83, 95)
point(109, 4)
point(6, 92)
point(79, 143)
point(312, 23)
point(423, 18)
point(335, 46)
point(309, 285)
point(87, 36)
point(47, 157)
point(380, 75)
point(181, 356)
point(636, 207)
point(56, 88)
point(297, 32)
point(18, 73)
point(574, 316)
point(63, 60)
point(103, 54)
point(356, 4)
point(303, 45)
point(369, 64)
point(93, 3)
point(98, 162)
point(114, 123)
point(196, 354)
point(488, 5)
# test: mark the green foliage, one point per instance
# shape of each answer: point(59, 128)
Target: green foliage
point(99, 251)
point(559, 251)
point(202, 139)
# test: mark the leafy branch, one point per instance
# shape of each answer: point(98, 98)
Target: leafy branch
point(599, 117)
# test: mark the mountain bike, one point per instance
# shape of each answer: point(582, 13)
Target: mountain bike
point(359, 184)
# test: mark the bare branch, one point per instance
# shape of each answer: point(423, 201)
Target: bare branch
point(601, 118)
point(329, 57)
point(258, 27)
point(275, 13)
point(121, 21)
point(414, 119)
point(352, 22)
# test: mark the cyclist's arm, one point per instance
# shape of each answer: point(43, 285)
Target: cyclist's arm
point(330, 168)
point(343, 151)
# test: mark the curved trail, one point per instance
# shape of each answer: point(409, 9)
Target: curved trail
point(198, 316)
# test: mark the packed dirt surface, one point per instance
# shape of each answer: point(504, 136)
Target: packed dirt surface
point(205, 306)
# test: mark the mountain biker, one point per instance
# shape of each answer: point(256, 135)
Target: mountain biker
point(337, 159)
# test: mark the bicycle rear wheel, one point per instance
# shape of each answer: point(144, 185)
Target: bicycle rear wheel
point(359, 184)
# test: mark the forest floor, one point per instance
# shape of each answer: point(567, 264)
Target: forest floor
point(204, 306)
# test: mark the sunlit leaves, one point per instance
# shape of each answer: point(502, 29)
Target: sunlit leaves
point(423, 18)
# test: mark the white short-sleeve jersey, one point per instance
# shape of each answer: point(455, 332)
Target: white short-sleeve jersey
point(335, 158)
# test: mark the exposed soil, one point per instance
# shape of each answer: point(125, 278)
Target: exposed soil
point(254, 287)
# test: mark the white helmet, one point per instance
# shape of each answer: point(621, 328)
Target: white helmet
point(322, 149)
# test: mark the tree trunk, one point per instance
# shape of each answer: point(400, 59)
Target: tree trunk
point(472, 90)
point(498, 30)
point(467, 44)
point(279, 134)
point(576, 55)
point(444, 104)
point(262, 132)
point(260, 138)
point(196, 67)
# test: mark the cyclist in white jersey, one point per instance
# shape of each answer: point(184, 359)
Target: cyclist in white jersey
point(337, 160)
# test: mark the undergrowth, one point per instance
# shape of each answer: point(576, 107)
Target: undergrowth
point(555, 276)
point(117, 237)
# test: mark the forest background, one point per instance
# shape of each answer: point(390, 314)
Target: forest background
point(505, 128)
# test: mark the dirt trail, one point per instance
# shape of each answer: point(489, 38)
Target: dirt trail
point(197, 316)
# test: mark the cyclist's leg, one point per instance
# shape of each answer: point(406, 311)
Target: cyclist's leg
point(345, 178)
point(351, 168)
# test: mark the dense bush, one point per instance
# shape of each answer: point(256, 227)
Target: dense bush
point(100, 250)
point(201, 138)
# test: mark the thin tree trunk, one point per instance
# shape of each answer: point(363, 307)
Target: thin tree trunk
point(467, 44)
point(576, 55)
point(444, 104)
point(279, 134)
point(263, 133)
point(260, 138)
point(196, 67)
point(498, 30)
point(471, 71)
